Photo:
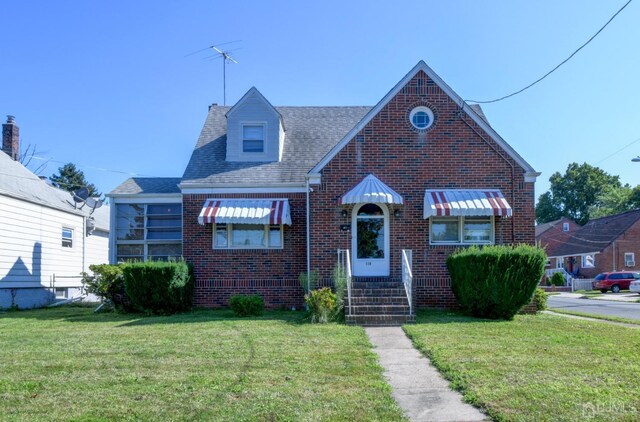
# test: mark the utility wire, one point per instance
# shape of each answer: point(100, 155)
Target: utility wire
point(621, 149)
point(561, 63)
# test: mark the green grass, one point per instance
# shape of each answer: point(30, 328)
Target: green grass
point(536, 367)
point(603, 317)
point(71, 364)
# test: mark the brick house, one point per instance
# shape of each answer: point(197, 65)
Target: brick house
point(603, 244)
point(274, 192)
point(553, 234)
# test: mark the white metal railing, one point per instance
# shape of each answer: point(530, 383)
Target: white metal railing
point(567, 276)
point(407, 276)
point(344, 262)
point(582, 284)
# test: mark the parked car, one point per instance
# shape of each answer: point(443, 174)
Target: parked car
point(635, 286)
point(614, 281)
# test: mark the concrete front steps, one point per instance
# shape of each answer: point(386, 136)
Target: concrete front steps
point(378, 302)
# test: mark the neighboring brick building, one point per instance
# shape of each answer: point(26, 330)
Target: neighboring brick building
point(604, 244)
point(421, 171)
point(552, 235)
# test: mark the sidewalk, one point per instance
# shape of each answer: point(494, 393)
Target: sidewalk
point(615, 297)
point(418, 387)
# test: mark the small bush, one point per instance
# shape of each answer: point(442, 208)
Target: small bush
point(107, 282)
point(495, 281)
point(548, 281)
point(322, 304)
point(247, 305)
point(557, 279)
point(540, 299)
point(159, 287)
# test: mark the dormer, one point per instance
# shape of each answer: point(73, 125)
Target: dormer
point(255, 130)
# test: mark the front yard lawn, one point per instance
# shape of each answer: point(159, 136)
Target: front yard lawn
point(536, 368)
point(69, 363)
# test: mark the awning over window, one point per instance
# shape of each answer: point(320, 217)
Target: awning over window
point(371, 190)
point(245, 211)
point(456, 203)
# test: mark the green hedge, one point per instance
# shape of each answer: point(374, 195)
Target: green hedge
point(247, 305)
point(495, 281)
point(557, 279)
point(159, 287)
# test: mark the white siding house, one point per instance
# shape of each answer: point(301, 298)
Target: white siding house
point(43, 234)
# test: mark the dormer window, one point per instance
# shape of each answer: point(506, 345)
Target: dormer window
point(253, 138)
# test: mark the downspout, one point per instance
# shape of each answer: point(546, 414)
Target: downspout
point(84, 242)
point(308, 241)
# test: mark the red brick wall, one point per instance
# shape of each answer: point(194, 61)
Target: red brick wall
point(454, 154)
point(222, 273)
point(612, 257)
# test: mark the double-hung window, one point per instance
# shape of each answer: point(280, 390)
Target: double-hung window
point(247, 236)
point(461, 230)
point(67, 237)
point(588, 261)
point(253, 138)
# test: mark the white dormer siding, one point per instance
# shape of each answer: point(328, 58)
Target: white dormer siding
point(250, 119)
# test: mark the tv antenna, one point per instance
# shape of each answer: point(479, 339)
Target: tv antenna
point(225, 57)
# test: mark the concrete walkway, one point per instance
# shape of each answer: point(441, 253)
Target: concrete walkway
point(418, 387)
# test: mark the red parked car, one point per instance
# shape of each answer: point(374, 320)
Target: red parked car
point(614, 281)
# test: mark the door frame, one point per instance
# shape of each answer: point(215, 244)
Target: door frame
point(356, 268)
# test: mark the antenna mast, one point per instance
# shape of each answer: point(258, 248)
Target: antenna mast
point(225, 56)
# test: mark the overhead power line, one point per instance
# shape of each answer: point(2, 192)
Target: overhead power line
point(561, 63)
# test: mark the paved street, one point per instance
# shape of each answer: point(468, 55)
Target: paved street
point(596, 307)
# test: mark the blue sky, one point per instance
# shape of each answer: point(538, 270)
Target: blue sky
point(106, 84)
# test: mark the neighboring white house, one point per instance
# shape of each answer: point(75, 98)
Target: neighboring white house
point(46, 240)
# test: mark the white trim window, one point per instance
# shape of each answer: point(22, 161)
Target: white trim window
point(565, 227)
point(461, 230)
point(67, 237)
point(629, 259)
point(253, 138)
point(588, 261)
point(560, 262)
point(247, 236)
point(148, 232)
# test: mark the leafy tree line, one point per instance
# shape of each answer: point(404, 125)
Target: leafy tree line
point(584, 192)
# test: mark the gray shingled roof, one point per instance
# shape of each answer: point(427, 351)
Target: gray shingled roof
point(150, 185)
point(597, 234)
point(311, 132)
point(19, 182)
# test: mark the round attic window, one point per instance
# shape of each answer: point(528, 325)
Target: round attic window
point(421, 117)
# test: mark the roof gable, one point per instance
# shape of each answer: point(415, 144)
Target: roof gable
point(253, 92)
point(530, 173)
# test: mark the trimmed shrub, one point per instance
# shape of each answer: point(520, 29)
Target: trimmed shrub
point(495, 281)
point(107, 282)
point(247, 305)
point(159, 287)
point(557, 279)
point(548, 281)
point(322, 304)
point(540, 299)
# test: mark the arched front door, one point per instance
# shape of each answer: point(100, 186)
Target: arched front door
point(370, 240)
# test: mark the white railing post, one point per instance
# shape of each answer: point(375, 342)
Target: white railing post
point(344, 262)
point(407, 276)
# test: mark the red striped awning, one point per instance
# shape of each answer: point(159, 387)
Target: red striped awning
point(245, 211)
point(454, 203)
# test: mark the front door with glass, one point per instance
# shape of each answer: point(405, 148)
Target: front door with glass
point(370, 240)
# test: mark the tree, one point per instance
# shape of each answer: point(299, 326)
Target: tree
point(615, 200)
point(72, 179)
point(575, 193)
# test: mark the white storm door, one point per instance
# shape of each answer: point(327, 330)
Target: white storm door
point(370, 240)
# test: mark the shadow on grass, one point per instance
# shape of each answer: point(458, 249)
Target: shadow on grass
point(441, 316)
point(85, 314)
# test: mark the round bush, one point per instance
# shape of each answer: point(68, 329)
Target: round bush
point(495, 281)
point(557, 279)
